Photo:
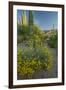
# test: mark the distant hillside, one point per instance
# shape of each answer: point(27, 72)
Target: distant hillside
point(50, 30)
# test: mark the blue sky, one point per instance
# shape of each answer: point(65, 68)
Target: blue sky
point(44, 19)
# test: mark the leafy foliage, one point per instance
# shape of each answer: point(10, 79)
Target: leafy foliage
point(53, 39)
point(29, 61)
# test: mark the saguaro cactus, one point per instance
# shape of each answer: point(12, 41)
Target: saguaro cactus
point(30, 18)
point(24, 18)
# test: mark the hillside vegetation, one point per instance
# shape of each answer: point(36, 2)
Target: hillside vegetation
point(34, 53)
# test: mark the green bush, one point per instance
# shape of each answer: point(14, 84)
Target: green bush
point(53, 39)
point(30, 61)
point(29, 33)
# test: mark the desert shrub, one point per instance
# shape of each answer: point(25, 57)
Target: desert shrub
point(23, 33)
point(24, 69)
point(52, 42)
point(45, 56)
point(28, 67)
point(23, 66)
point(28, 33)
point(30, 61)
